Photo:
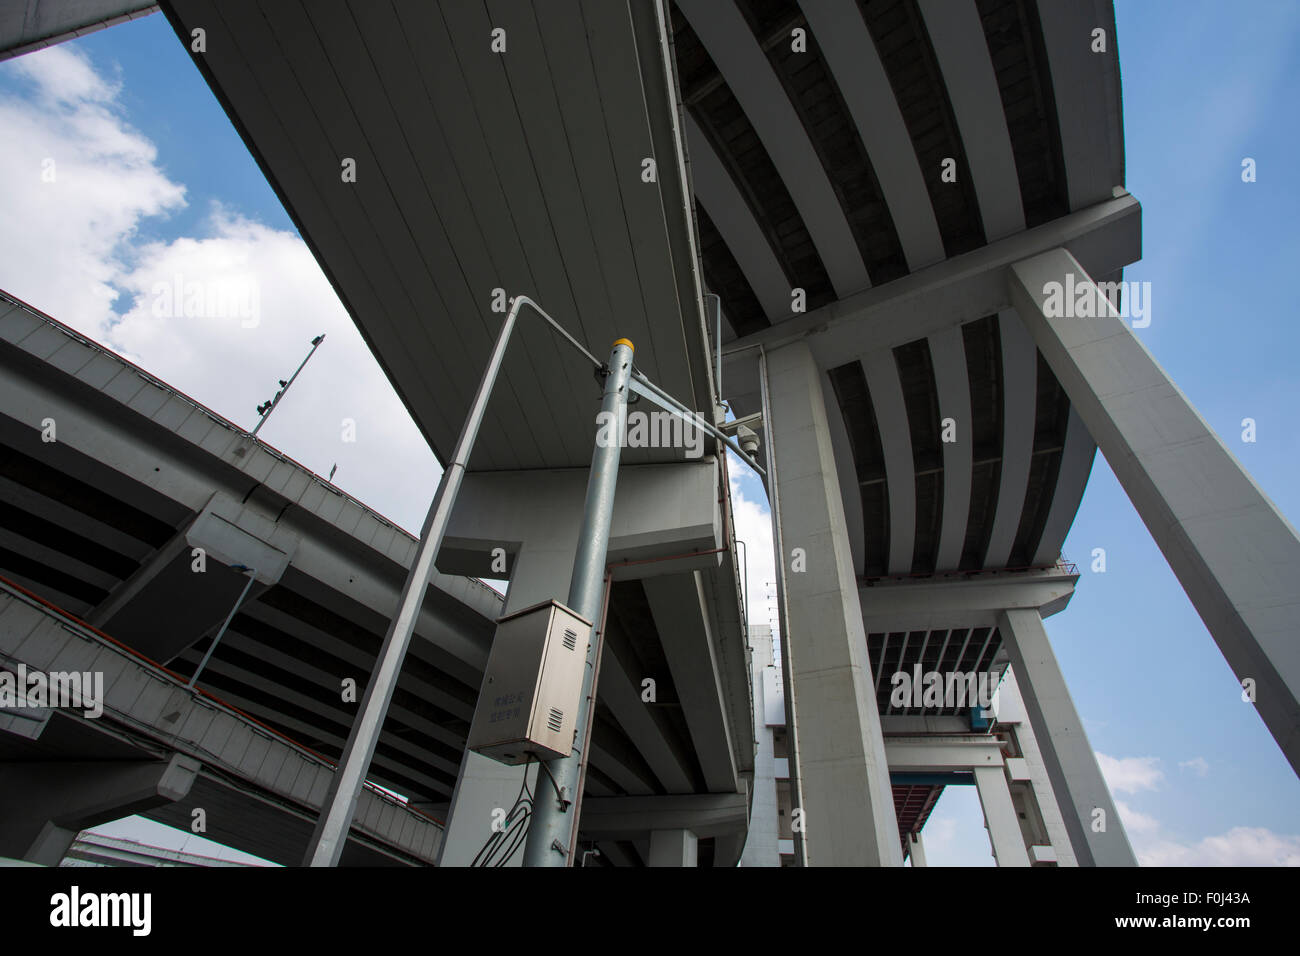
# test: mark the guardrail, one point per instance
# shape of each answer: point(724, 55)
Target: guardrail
point(1061, 565)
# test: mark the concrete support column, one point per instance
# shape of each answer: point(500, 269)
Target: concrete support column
point(848, 807)
point(1234, 553)
point(916, 850)
point(51, 845)
point(673, 848)
point(43, 806)
point(1012, 714)
point(1000, 816)
point(764, 825)
point(1098, 838)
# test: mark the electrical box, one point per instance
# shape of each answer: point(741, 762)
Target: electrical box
point(528, 705)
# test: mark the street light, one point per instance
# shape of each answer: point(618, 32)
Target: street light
point(264, 410)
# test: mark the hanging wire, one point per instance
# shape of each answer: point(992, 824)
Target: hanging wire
point(504, 844)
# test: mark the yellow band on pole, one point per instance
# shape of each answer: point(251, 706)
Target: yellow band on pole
point(627, 342)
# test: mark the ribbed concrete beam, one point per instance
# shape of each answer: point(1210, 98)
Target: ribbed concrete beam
point(1071, 480)
point(851, 55)
point(955, 32)
point(731, 44)
point(948, 353)
point(721, 198)
point(896, 444)
point(1086, 87)
point(1019, 407)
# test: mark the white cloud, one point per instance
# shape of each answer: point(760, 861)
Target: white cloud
point(1134, 820)
point(1153, 846)
point(75, 182)
point(954, 835)
point(70, 247)
point(754, 527)
point(939, 832)
point(233, 362)
point(1240, 846)
point(1130, 774)
point(65, 77)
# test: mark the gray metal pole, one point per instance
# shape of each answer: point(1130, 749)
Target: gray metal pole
point(717, 299)
point(552, 829)
point(782, 609)
point(745, 601)
point(221, 633)
point(341, 801)
point(315, 344)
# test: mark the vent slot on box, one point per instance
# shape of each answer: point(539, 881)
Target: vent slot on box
point(570, 638)
point(556, 719)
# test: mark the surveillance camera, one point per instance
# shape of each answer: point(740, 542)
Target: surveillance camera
point(748, 440)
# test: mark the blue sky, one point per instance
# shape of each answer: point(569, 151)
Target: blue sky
point(1204, 86)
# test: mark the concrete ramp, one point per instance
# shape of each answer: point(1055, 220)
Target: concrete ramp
point(258, 790)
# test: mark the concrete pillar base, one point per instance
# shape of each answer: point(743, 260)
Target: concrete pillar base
point(673, 848)
point(916, 850)
point(45, 805)
point(1000, 815)
point(1096, 833)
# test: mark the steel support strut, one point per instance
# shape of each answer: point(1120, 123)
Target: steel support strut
point(340, 804)
point(552, 831)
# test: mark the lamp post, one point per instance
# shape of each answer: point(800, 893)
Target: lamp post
point(266, 408)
